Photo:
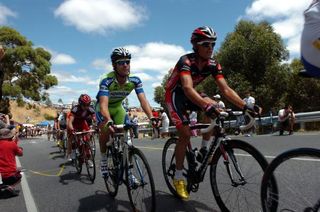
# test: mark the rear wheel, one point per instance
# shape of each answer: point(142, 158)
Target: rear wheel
point(241, 193)
point(112, 179)
point(140, 184)
point(169, 164)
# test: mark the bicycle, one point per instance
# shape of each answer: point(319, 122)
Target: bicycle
point(297, 174)
point(236, 167)
point(62, 141)
point(84, 154)
point(127, 164)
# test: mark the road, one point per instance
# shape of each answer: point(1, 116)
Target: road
point(51, 184)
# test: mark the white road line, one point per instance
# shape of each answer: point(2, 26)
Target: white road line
point(28, 198)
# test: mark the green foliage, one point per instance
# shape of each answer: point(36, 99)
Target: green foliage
point(20, 102)
point(28, 66)
point(36, 110)
point(48, 117)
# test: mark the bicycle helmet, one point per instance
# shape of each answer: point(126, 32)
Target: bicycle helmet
point(84, 99)
point(120, 53)
point(203, 33)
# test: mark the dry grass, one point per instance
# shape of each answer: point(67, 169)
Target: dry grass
point(20, 114)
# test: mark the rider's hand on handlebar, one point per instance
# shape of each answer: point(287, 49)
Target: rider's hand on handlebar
point(212, 110)
point(255, 111)
point(154, 121)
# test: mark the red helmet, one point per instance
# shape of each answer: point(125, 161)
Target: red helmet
point(203, 33)
point(84, 99)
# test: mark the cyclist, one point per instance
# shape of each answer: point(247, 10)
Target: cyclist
point(114, 88)
point(180, 96)
point(77, 119)
point(62, 122)
point(310, 41)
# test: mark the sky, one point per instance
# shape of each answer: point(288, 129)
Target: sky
point(81, 34)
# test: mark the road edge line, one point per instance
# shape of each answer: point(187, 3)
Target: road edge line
point(28, 198)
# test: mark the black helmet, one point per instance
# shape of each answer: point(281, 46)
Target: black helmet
point(120, 53)
point(203, 33)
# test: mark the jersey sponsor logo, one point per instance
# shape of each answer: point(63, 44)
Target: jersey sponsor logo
point(316, 43)
point(119, 94)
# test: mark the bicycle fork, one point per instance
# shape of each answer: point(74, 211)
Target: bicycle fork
point(227, 153)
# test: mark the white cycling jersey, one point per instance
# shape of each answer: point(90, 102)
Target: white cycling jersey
point(310, 39)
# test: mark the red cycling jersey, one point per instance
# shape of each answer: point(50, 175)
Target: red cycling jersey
point(175, 98)
point(81, 117)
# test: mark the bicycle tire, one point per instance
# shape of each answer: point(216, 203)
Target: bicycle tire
point(143, 179)
point(244, 153)
point(169, 166)
point(285, 198)
point(93, 145)
point(78, 161)
point(112, 180)
point(89, 157)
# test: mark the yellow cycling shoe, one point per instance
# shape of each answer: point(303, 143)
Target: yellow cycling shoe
point(181, 189)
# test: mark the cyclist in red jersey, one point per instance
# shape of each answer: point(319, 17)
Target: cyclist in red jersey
point(77, 119)
point(180, 96)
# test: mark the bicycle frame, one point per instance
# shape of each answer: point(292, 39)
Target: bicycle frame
point(220, 140)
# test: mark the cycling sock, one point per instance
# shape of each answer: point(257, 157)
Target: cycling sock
point(103, 156)
point(205, 143)
point(178, 175)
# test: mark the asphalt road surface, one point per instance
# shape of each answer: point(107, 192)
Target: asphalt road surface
point(51, 184)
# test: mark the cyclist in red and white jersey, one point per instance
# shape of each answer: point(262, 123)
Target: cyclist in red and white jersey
point(191, 70)
point(77, 119)
point(310, 41)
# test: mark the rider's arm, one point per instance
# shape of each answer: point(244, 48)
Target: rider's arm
point(145, 104)
point(104, 102)
point(229, 93)
point(70, 123)
point(191, 93)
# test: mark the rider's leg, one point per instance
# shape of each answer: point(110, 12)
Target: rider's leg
point(180, 152)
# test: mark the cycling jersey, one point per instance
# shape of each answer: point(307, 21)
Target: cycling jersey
point(175, 98)
point(116, 93)
point(310, 40)
point(80, 117)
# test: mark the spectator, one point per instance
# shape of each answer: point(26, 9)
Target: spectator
point(286, 118)
point(155, 126)
point(135, 126)
point(250, 102)
point(10, 176)
point(193, 117)
point(221, 104)
point(164, 123)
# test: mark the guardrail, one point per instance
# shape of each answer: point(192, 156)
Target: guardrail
point(272, 121)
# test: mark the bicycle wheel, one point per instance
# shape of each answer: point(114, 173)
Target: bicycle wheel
point(243, 193)
point(297, 173)
point(140, 184)
point(89, 161)
point(92, 143)
point(78, 161)
point(169, 164)
point(112, 179)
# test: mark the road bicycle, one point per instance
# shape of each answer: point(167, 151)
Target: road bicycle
point(84, 153)
point(127, 164)
point(297, 173)
point(236, 167)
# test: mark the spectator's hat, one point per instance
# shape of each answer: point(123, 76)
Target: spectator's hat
point(217, 96)
point(6, 133)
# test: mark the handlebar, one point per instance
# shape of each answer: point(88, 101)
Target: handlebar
point(225, 114)
point(84, 132)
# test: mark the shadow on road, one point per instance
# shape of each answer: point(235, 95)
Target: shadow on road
point(169, 203)
point(74, 176)
point(101, 200)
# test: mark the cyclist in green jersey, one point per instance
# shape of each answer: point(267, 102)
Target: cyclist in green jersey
point(113, 89)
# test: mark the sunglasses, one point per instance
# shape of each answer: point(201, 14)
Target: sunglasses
point(206, 44)
point(123, 62)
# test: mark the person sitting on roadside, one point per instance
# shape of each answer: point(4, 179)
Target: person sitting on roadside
point(164, 123)
point(286, 118)
point(9, 175)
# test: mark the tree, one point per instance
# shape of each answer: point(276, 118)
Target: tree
point(159, 91)
point(25, 70)
point(60, 101)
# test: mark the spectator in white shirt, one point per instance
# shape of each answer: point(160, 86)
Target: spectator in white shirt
point(164, 123)
point(286, 118)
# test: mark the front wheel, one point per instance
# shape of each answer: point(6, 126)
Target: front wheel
point(89, 161)
point(112, 179)
point(235, 175)
point(140, 184)
point(297, 172)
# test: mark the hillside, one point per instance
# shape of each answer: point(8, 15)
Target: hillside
point(36, 113)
